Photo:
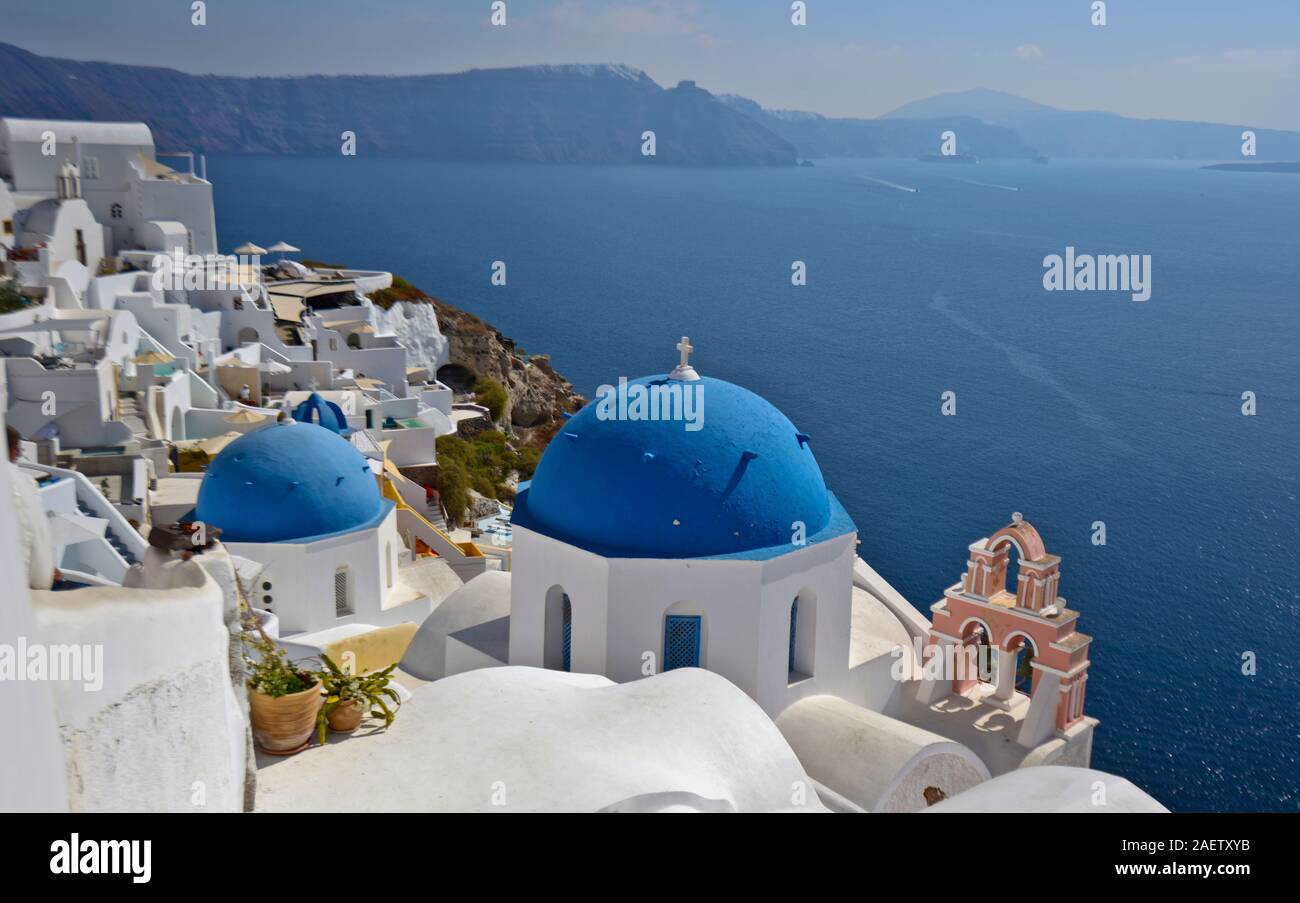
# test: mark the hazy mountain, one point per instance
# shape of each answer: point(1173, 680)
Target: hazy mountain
point(977, 103)
point(994, 124)
point(566, 114)
point(1068, 133)
point(821, 136)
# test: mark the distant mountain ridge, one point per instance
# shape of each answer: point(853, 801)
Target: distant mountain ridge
point(577, 113)
point(557, 114)
point(993, 124)
point(822, 136)
point(977, 103)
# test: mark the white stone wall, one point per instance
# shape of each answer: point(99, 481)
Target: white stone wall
point(164, 732)
point(31, 765)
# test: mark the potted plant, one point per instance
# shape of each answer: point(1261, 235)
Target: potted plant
point(348, 697)
point(284, 699)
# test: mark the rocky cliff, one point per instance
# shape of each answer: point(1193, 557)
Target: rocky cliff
point(539, 397)
point(566, 114)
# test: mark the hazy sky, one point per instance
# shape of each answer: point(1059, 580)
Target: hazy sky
point(1232, 61)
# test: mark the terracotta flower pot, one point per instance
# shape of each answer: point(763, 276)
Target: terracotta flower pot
point(282, 725)
point(345, 719)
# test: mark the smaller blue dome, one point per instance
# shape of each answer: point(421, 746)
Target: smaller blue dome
point(289, 481)
point(323, 413)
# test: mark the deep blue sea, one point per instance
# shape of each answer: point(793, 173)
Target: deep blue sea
point(1071, 407)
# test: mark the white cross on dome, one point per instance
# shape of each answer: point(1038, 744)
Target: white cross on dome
point(684, 371)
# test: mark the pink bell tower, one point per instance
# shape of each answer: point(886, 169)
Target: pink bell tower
point(1029, 616)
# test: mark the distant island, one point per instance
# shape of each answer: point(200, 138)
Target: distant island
point(1275, 166)
point(574, 114)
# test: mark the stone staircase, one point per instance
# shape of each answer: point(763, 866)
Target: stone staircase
point(111, 536)
point(130, 414)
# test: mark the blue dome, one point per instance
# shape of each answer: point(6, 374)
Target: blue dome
point(323, 413)
point(289, 481)
point(654, 489)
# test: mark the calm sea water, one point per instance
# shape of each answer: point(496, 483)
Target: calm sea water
point(1071, 407)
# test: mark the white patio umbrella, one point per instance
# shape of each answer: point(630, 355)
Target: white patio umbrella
point(249, 249)
point(282, 248)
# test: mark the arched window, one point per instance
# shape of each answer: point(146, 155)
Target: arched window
point(802, 649)
point(1013, 568)
point(115, 211)
point(1023, 649)
point(557, 630)
point(980, 653)
point(794, 631)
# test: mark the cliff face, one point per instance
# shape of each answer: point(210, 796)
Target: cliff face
point(539, 397)
point(566, 114)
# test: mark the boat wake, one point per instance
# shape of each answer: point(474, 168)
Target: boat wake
point(988, 185)
point(893, 185)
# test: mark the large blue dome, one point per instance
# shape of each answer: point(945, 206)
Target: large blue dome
point(654, 489)
point(289, 481)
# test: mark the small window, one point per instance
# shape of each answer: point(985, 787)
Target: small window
point(267, 586)
point(115, 211)
point(90, 167)
point(342, 598)
point(566, 650)
point(9, 227)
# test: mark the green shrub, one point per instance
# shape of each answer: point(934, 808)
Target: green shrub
point(490, 393)
point(453, 484)
point(10, 298)
point(483, 464)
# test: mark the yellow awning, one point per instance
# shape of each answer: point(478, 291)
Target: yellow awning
point(305, 290)
point(287, 308)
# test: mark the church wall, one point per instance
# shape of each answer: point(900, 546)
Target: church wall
point(823, 572)
point(538, 563)
point(723, 592)
point(302, 579)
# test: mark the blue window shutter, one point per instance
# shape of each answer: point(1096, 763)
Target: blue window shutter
point(567, 636)
point(681, 641)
